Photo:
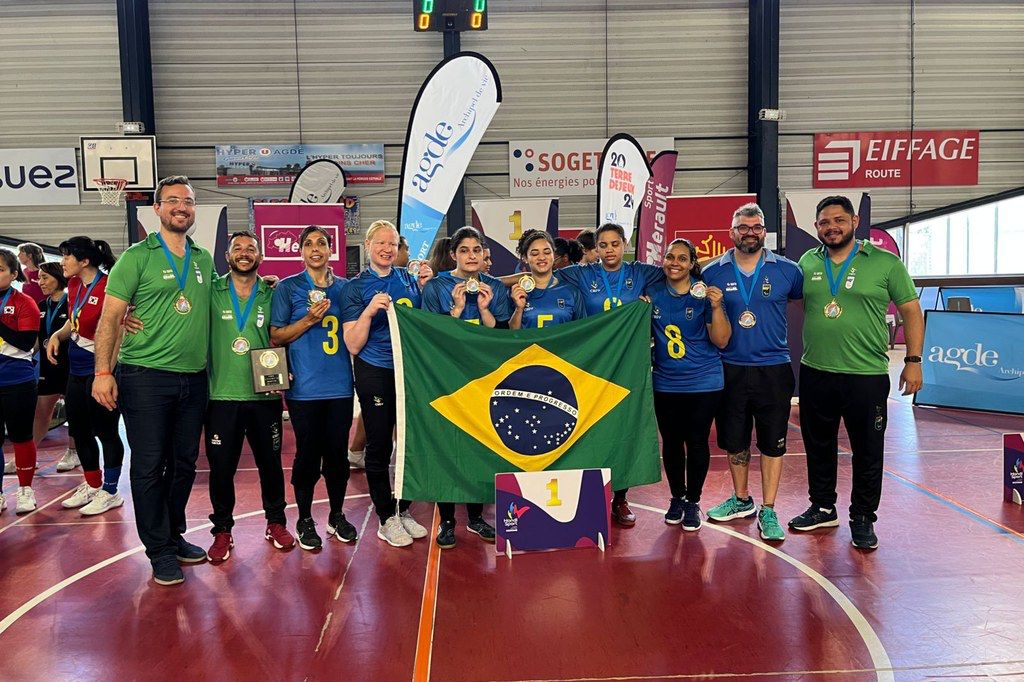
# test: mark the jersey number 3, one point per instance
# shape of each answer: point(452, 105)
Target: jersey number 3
point(331, 345)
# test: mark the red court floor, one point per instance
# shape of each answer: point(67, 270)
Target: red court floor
point(941, 598)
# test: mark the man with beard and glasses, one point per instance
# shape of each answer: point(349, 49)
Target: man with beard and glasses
point(239, 322)
point(161, 383)
point(844, 371)
point(759, 383)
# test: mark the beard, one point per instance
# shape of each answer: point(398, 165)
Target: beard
point(745, 246)
point(235, 267)
point(843, 241)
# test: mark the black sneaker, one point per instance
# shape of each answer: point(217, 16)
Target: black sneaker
point(815, 517)
point(863, 532)
point(446, 535)
point(339, 527)
point(187, 553)
point(306, 531)
point(674, 515)
point(481, 528)
point(691, 516)
point(166, 571)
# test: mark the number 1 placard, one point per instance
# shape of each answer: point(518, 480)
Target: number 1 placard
point(544, 510)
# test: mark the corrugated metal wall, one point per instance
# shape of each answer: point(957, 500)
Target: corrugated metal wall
point(59, 78)
point(225, 72)
point(885, 65)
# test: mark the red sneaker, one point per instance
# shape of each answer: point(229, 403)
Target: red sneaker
point(622, 514)
point(280, 536)
point(220, 550)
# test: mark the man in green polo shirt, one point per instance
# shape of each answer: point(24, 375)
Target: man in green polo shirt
point(240, 322)
point(844, 371)
point(161, 382)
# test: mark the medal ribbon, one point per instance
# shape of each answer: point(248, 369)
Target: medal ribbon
point(833, 284)
point(744, 291)
point(312, 284)
point(241, 317)
point(3, 303)
point(80, 301)
point(608, 287)
point(182, 276)
point(51, 312)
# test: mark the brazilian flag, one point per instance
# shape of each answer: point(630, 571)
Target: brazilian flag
point(473, 401)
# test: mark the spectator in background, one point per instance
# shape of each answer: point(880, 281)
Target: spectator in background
point(588, 241)
point(402, 259)
point(561, 253)
point(440, 258)
point(31, 257)
point(575, 252)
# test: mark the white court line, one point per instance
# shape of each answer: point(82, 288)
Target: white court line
point(35, 601)
point(341, 585)
point(35, 511)
point(879, 657)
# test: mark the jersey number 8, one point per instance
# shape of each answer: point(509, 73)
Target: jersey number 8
point(676, 347)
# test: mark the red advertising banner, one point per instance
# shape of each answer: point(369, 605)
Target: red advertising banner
point(896, 158)
point(650, 241)
point(279, 226)
point(705, 221)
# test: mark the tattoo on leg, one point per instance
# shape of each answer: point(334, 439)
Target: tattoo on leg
point(740, 459)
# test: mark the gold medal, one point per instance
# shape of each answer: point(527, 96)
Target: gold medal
point(182, 305)
point(699, 290)
point(833, 310)
point(240, 346)
point(528, 283)
point(269, 359)
point(315, 296)
point(472, 286)
point(747, 319)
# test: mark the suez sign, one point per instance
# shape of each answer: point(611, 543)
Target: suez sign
point(896, 158)
point(38, 177)
point(546, 168)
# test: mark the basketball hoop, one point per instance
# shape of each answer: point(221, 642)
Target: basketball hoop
point(111, 190)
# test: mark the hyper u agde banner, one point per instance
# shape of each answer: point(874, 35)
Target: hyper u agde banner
point(899, 158)
point(651, 233)
point(451, 113)
point(622, 182)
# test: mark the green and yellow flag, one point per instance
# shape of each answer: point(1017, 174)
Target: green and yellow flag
point(473, 401)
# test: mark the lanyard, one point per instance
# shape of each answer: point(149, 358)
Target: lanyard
point(51, 312)
point(833, 284)
point(242, 317)
point(182, 276)
point(313, 285)
point(615, 299)
point(80, 301)
point(744, 291)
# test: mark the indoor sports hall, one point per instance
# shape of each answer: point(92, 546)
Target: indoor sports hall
point(664, 118)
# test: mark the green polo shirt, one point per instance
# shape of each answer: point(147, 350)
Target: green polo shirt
point(169, 340)
point(231, 373)
point(855, 342)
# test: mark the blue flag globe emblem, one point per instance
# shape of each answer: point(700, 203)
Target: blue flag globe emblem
point(534, 410)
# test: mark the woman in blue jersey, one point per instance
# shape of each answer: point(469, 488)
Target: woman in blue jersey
point(550, 300)
point(468, 294)
point(606, 284)
point(689, 327)
point(305, 316)
point(367, 336)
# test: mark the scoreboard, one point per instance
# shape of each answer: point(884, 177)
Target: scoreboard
point(434, 15)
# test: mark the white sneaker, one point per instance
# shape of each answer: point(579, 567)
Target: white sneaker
point(10, 468)
point(25, 500)
point(392, 532)
point(68, 461)
point(102, 501)
point(3, 503)
point(285, 416)
point(357, 459)
point(411, 526)
point(82, 496)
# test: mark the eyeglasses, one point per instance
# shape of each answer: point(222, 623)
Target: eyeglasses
point(175, 201)
point(749, 229)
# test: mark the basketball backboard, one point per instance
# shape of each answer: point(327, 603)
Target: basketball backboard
point(131, 157)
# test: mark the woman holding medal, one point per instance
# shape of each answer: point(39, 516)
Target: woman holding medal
point(365, 301)
point(689, 327)
point(607, 284)
point(306, 317)
point(87, 419)
point(19, 330)
point(539, 297)
point(466, 293)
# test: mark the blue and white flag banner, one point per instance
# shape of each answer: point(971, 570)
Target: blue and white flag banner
point(622, 182)
point(973, 361)
point(449, 117)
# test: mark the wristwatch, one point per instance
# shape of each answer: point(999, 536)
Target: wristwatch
point(912, 358)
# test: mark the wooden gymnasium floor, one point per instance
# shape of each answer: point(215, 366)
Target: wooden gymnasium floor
point(941, 599)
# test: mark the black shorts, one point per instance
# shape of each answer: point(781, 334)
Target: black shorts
point(18, 410)
point(53, 379)
point(755, 397)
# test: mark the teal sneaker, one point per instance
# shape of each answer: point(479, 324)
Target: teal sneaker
point(768, 524)
point(733, 508)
